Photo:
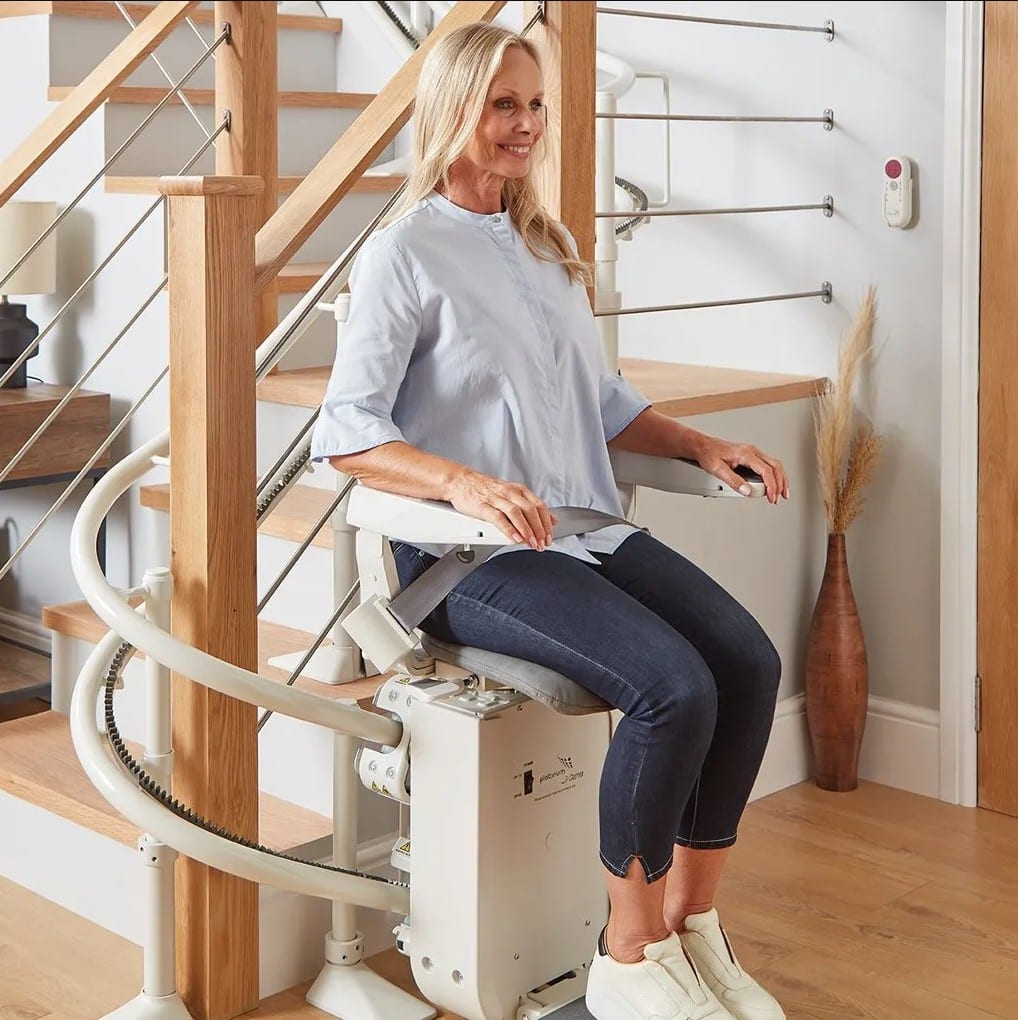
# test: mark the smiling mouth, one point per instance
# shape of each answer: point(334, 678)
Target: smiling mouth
point(519, 151)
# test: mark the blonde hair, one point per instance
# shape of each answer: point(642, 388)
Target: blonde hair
point(451, 93)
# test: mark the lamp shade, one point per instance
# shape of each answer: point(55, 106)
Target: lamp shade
point(21, 223)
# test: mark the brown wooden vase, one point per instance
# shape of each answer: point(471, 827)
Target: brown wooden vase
point(837, 687)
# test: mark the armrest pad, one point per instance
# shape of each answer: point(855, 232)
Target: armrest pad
point(677, 475)
point(427, 521)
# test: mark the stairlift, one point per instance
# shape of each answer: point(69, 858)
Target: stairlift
point(499, 765)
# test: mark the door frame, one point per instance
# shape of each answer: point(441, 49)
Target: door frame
point(959, 445)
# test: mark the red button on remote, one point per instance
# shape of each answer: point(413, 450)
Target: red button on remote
point(892, 168)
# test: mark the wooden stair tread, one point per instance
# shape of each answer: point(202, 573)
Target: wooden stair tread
point(38, 764)
point(151, 95)
point(78, 620)
point(377, 184)
point(675, 390)
point(299, 277)
point(298, 510)
point(107, 10)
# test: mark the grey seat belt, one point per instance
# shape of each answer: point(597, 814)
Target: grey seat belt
point(423, 594)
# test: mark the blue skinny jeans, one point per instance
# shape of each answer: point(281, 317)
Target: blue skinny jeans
point(652, 635)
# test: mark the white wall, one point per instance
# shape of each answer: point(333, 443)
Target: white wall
point(883, 76)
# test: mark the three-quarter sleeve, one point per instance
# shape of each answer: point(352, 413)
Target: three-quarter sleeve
point(621, 402)
point(373, 353)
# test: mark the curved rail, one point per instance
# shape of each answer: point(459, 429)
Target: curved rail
point(234, 681)
point(256, 864)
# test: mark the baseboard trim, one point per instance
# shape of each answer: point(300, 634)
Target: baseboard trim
point(25, 630)
point(786, 761)
point(901, 748)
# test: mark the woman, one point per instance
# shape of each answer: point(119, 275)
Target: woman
point(470, 371)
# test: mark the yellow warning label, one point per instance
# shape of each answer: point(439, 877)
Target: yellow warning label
point(375, 787)
point(403, 848)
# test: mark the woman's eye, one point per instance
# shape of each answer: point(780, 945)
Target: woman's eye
point(537, 106)
point(504, 104)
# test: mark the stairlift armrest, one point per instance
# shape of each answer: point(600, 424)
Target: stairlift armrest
point(418, 521)
point(671, 474)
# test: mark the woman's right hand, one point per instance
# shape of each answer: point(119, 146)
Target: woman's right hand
point(516, 511)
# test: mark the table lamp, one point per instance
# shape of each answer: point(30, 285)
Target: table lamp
point(21, 223)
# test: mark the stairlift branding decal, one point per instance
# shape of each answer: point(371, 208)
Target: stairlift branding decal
point(547, 784)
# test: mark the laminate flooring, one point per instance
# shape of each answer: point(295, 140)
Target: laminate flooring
point(875, 904)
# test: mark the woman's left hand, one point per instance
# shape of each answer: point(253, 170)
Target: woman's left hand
point(720, 458)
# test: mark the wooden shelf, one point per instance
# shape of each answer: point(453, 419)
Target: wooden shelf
point(107, 10)
point(376, 184)
point(75, 434)
point(151, 95)
point(676, 390)
point(38, 765)
point(78, 620)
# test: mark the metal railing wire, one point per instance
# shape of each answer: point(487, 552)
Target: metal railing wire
point(220, 39)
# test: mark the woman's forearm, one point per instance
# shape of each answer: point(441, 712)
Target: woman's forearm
point(654, 433)
point(403, 469)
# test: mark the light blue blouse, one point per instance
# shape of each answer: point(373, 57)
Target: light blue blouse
point(462, 343)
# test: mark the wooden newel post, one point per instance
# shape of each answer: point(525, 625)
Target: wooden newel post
point(212, 224)
point(246, 86)
point(567, 42)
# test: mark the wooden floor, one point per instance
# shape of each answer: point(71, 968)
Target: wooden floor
point(875, 904)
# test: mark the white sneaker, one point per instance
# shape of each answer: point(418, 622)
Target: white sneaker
point(662, 986)
point(708, 945)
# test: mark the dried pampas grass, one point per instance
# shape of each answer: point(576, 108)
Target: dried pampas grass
point(847, 455)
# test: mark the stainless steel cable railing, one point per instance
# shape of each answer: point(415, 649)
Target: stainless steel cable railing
point(89, 464)
point(185, 102)
point(826, 118)
point(220, 39)
point(305, 543)
point(826, 206)
point(825, 293)
point(13, 462)
point(827, 28)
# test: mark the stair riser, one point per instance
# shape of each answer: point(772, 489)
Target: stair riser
point(341, 226)
point(306, 59)
point(105, 881)
point(88, 873)
point(305, 135)
point(304, 600)
point(277, 424)
point(318, 345)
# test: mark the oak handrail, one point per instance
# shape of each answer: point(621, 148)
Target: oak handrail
point(340, 168)
point(89, 95)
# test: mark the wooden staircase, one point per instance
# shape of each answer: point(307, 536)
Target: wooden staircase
point(78, 620)
point(38, 765)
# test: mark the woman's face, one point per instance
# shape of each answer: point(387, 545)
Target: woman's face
point(513, 117)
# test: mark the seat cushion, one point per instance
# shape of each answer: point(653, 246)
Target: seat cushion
point(537, 682)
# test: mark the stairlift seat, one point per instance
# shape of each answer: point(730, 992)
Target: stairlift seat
point(538, 682)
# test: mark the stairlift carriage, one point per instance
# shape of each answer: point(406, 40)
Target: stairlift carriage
point(500, 763)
